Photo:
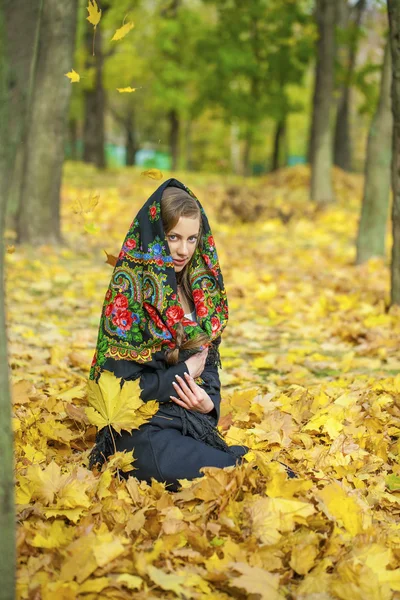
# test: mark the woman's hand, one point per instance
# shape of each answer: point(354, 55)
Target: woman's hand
point(196, 363)
point(191, 395)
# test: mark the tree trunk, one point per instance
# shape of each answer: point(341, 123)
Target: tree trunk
point(375, 205)
point(94, 99)
point(7, 510)
point(174, 137)
point(321, 165)
point(39, 212)
point(18, 20)
point(235, 149)
point(73, 138)
point(248, 142)
point(394, 33)
point(22, 21)
point(130, 147)
point(279, 138)
point(188, 158)
point(342, 145)
point(130, 137)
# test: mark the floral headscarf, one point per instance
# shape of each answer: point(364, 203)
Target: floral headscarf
point(142, 308)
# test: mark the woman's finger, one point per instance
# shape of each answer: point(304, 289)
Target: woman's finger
point(191, 383)
point(177, 401)
point(182, 395)
point(184, 387)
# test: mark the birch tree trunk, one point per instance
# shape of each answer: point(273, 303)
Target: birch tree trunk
point(375, 206)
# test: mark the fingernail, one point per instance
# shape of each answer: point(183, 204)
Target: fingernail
point(177, 376)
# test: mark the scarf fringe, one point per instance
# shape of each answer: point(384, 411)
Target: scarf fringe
point(195, 424)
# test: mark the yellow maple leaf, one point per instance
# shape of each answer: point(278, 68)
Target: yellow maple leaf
point(111, 405)
point(341, 507)
point(94, 586)
point(120, 460)
point(53, 535)
point(132, 582)
point(167, 581)
point(152, 173)
point(123, 31)
point(45, 483)
point(126, 90)
point(86, 205)
point(91, 228)
point(107, 548)
point(73, 76)
point(255, 580)
point(10, 249)
point(111, 259)
point(94, 13)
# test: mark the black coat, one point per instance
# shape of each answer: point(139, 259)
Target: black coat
point(162, 448)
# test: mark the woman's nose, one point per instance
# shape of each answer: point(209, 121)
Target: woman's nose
point(183, 249)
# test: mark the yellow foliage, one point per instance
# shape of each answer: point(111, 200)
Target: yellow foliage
point(311, 378)
point(120, 408)
point(126, 90)
point(73, 76)
point(123, 31)
point(153, 174)
point(94, 13)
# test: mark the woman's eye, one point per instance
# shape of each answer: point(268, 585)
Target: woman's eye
point(170, 237)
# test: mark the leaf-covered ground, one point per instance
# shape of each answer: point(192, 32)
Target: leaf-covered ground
point(311, 376)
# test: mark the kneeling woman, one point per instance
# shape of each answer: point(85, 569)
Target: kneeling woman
point(162, 319)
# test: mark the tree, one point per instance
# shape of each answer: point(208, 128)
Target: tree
point(351, 31)
point(16, 62)
point(174, 65)
point(394, 28)
point(321, 138)
point(375, 206)
point(253, 53)
point(38, 219)
point(94, 98)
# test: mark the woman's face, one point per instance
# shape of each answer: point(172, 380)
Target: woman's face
point(182, 241)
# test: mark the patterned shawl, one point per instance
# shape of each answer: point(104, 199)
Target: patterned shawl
point(142, 308)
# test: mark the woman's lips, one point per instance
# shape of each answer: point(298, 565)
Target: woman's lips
point(179, 262)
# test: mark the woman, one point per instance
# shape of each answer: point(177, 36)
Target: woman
point(162, 319)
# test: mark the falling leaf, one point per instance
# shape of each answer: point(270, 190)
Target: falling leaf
point(91, 228)
point(86, 205)
point(153, 173)
point(94, 13)
point(126, 90)
point(10, 249)
point(111, 259)
point(73, 76)
point(122, 31)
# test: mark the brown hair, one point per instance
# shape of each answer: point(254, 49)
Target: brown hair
point(176, 203)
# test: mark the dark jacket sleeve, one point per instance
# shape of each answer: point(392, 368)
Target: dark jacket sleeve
point(156, 376)
point(212, 386)
point(156, 379)
point(157, 383)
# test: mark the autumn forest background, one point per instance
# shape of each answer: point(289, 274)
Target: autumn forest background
point(283, 117)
